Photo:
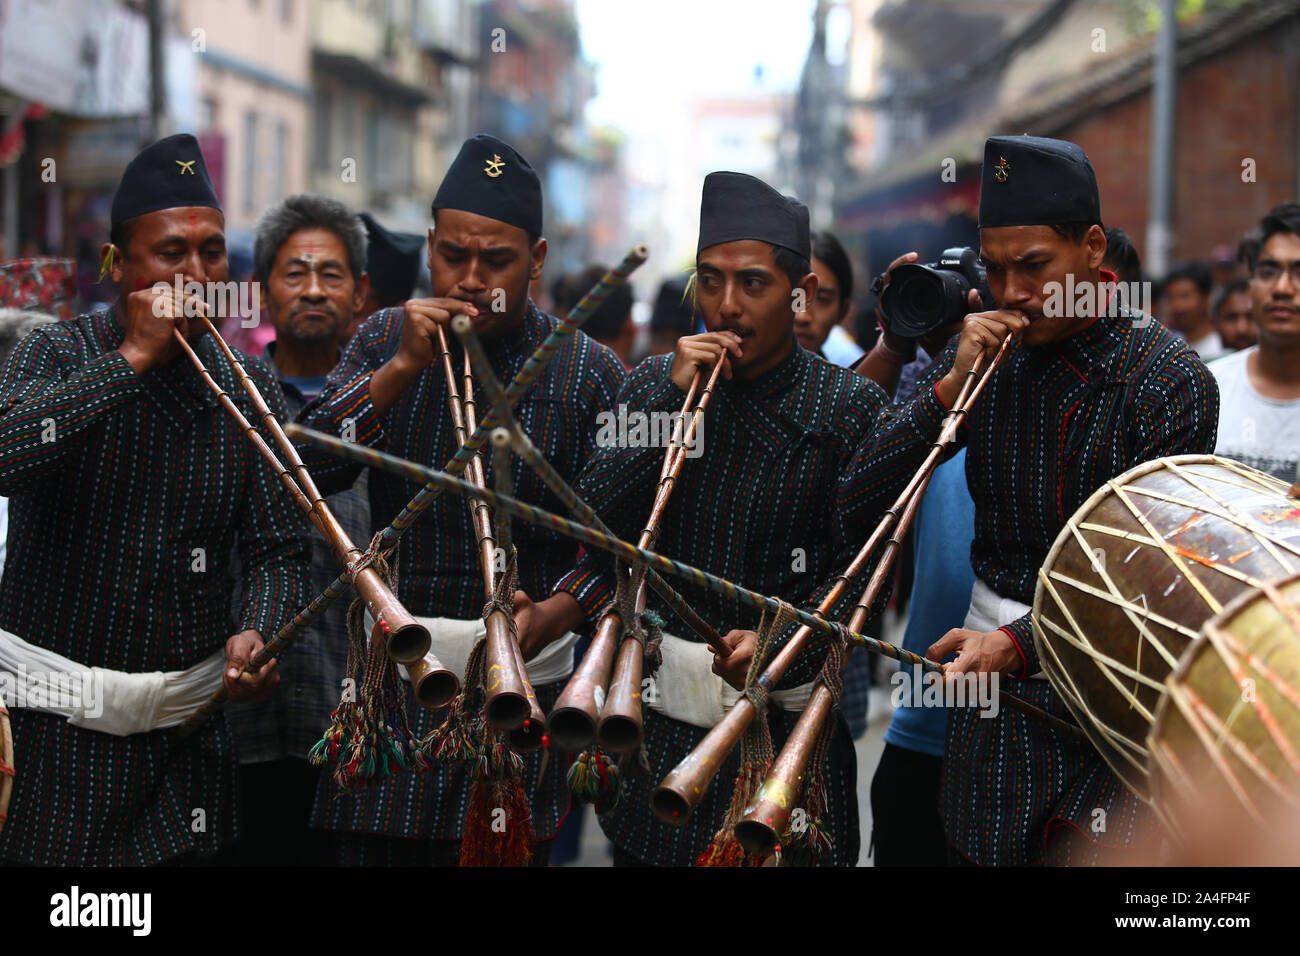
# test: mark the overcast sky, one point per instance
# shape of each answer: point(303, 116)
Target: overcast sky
point(650, 55)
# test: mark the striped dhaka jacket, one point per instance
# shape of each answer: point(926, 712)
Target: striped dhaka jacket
point(757, 507)
point(1053, 425)
point(127, 495)
point(439, 573)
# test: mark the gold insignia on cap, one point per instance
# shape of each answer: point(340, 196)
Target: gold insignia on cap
point(1001, 170)
point(494, 166)
point(187, 166)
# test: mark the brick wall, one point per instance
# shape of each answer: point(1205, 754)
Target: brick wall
point(1243, 103)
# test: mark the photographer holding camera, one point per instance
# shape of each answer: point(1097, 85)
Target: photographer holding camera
point(928, 304)
point(1080, 398)
point(920, 306)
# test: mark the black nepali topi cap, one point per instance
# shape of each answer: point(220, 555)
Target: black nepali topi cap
point(392, 260)
point(1034, 181)
point(672, 312)
point(737, 206)
point(168, 174)
point(489, 178)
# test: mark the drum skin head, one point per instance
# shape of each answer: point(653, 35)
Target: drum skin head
point(1226, 738)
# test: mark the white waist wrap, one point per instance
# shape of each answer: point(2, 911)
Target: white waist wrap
point(96, 698)
point(452, 639)
point(990, 611)
point(686, 688)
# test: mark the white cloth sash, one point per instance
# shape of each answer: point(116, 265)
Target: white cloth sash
point(990, 611)
point(96, 698)
point(453, 639)
point(686, 689)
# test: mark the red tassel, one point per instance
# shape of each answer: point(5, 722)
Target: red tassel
point(723, 851)
point(498, 827)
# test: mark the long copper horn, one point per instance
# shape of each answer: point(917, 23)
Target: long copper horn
point(619, 728)
point(572, 724)
point(768, 814)
point(507, 705)
point(520, 383)
point(577, 725)
point(434, 685)
point(532, 734)
point(406, 639)
point(766, 818)
point(576, 714)
point(677, 796)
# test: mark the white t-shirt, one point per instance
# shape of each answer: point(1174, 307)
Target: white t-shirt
point(840, 349)
point(1261, 432)
point(1210, 347)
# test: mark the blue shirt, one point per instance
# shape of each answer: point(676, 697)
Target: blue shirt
point(309, 388)
point(944, 529)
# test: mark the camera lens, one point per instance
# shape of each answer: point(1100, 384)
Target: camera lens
point(919, 299)
point(922, 297)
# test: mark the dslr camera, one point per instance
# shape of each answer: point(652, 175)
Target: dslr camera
point(922, 298)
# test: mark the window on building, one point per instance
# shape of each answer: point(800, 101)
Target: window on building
point(279, 160)
point(322, 161)
point(352, 111)
point(208, 113)
point(250, 162)
point(376, 163)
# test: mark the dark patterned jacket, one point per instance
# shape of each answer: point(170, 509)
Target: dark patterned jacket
point(756, 507)
point(106, 525)
point(439, 574)
point(1053, 425)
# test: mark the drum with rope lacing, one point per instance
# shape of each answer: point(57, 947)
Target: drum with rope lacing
point(1135, 574)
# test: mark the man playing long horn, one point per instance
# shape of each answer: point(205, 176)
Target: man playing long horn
point(389, 392)
point(1091, 390)
point(128, 488)
point(754, 503)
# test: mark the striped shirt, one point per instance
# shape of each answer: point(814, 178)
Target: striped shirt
point(439, 573)
point(1054, 424)
point(127, 495)
point(756, 507)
